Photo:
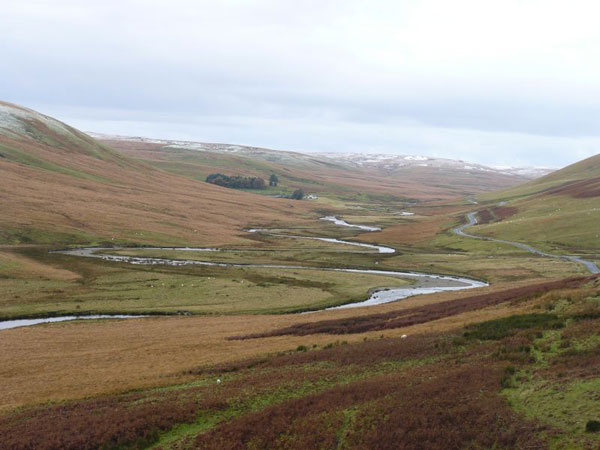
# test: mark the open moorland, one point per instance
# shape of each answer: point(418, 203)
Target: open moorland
point(238, 346)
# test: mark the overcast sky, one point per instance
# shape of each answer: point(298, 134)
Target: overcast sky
point(511, 82)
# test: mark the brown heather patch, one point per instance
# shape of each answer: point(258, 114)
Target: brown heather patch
point(445, 406)
point(128, 419)
point(582, 329)
point(134, 420)
point(484, 216)
point(427, 313)
point(495, 214)
point(577, 189)
point(363, 353)
point(447, 403)
point(102, 423)
point(580, 364)
point(504, 212)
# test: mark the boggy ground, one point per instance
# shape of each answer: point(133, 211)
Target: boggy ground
point(505, 383)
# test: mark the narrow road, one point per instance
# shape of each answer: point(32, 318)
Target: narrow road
point(472, 220)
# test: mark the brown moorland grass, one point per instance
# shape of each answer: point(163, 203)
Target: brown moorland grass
point(136, 419)
point(64, 186)
point(62, 361)
point(577, 189)
point(181, 210)
point(137, 416)
point(427, 391)
point(504, 212)
point(18, 266)
point(93, 357)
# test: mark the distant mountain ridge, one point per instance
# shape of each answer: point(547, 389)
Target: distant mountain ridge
point(393, 163)
point(411, 176)
point(384, 162)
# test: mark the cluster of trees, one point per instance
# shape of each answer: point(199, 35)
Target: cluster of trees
point(236, 181)
point(239, 182)
point(298, 194)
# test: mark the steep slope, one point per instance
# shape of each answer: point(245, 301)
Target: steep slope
point(560, 211)
point(317, 173)
point(61, 186)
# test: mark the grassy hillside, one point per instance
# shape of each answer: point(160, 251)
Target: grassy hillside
point(559, 212)
point(313, 173)
point(582, 174)
point(60, 186)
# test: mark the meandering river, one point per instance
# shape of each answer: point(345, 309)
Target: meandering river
point(423, 283)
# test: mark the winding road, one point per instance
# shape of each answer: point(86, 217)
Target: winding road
point(472, 221)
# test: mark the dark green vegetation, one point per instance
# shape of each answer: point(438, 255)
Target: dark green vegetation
point(236, 181)
point(507, 326)
point(298, 194)
point(513, 386)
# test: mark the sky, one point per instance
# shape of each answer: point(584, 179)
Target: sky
point(511, 82)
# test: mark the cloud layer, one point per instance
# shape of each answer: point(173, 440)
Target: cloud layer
point(512, 82)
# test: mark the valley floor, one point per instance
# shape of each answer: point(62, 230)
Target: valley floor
point(509, 365)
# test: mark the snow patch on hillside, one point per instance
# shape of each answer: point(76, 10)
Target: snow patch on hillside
point(387, 162)
point(391, 162)
point(13, 120)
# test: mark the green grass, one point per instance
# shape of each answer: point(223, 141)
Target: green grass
point(120, 288)
point(552, 223)
point(560, 396)
point(566, 406)
point(27, 235)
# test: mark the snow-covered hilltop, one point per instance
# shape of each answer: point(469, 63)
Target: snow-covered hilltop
point(384, 162)
point(394, 163)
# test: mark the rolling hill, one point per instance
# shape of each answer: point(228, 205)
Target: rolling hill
point(335, 175)
point(61, 186)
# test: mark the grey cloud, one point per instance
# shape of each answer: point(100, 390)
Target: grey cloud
point(314, 75)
